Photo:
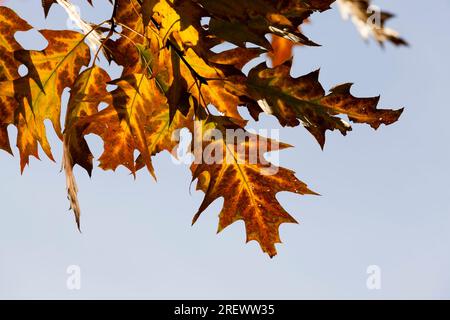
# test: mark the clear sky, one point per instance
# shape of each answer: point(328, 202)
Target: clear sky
point(385, 194)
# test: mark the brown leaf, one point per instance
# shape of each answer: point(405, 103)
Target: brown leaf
point(303, 100)
point(248, 187)
point(370, 22)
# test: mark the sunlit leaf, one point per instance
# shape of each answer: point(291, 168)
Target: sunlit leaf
point(248, 186)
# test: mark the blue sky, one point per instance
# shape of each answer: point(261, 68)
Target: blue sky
point(385, 194)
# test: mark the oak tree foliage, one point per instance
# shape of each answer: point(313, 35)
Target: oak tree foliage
point(173, 76)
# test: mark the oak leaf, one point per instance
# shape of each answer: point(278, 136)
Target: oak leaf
point(247, 182)
point(38, 94)
point(303, 100)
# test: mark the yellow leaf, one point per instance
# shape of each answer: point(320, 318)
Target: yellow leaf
point(122, 125)
point(39, 93)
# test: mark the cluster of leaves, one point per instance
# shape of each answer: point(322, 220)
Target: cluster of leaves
point(171, 77)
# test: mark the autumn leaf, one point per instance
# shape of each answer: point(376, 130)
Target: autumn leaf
point(122, 124)
point(240, 22)
point(303, 101)
point(370, 22)
point(137, 118)
point(88, 89)
point(124, 50)
point(38, 94)
point(249, 187)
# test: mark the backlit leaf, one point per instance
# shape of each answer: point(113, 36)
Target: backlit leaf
point(249, 187)
point(39, 92)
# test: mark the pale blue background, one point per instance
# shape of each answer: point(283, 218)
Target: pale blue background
point(385, 194)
